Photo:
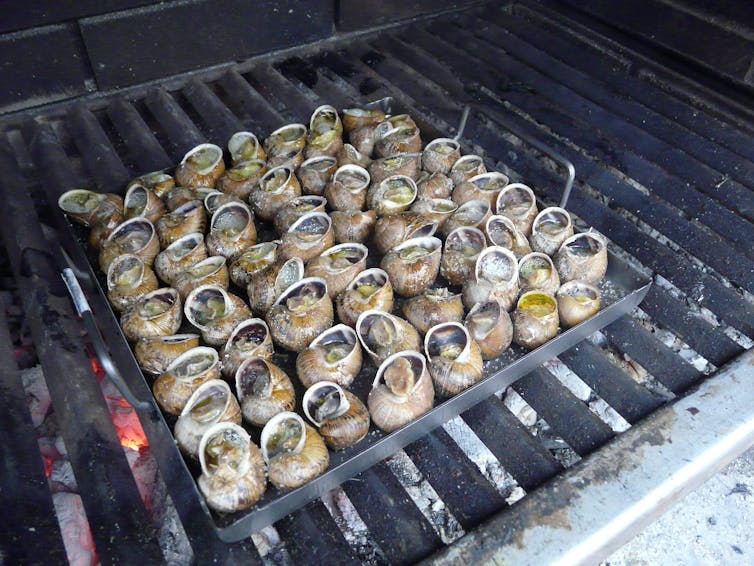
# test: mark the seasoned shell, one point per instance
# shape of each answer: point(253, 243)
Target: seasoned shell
point(128, 280)
point(156, 314)
point(381, 335)
point(264, 390)
point(338, 266)
point(136, 236)
point(173, 388)
point(369, 290)
point(294, 451)
point(251, 338)
point(455, 361)
point(433, 307)
point(335, 355)
point(155, 353)
point(341, 418)
point(413, 265)
point(517, 202)
point(215, 312)
point(179, 256)
point(266, 285)
point(577, 301)
point(582, 257)
point(535, 320)
point(300, 314)
point(201, 167)
point(491, 328)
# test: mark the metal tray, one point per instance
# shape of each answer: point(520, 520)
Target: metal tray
point(623, 288)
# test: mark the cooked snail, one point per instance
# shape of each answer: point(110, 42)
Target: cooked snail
point(535, 320)
point(341, 418)
point(335, 355)
point(264, 390)
point(381, 334)
point(455, 361)
point(294, 451)
point(300, 314)
point(369, 290)
point(173, 388)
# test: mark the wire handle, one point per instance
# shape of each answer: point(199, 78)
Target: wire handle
point(100, 349)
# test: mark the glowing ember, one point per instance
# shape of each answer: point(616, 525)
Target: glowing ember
point(127, 424)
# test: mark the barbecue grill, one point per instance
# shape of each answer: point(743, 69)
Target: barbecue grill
point(659, 137)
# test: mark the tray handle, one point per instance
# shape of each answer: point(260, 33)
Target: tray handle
point(100, 349)
point(553, 154)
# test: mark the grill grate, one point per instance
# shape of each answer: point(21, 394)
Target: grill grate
point(666, 175)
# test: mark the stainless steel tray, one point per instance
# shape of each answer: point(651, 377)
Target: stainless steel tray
point(623, 288)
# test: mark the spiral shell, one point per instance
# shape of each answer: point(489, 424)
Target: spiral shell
point(156, 314)
point(501, 231)
point(369, 290)
point(128, 280)
point(142, 202)
point(251, 338)
point(88, 207)
point(433, 307)
point(577, 301)
point(173, 388)
point(392, 195)
point(495, 279)
point(462, 248)
point(179, 256)
point(265, 286)
point(491, 328)
point(276, 187)
point(465, 168)
point(300, 314)
point(536, 272)
point(216, 199)
point(188, 218)
point(295, 209)
point(264, 390)
point(240, 180)
point(551, 228)
point(135, 236)
point(231, 230)
point(349, 155)
point(403, 139)
point(252, 261)
point(355, 118)
point(294, 451)
point(353, 225)
point(402, 391)
point(348, 188)
point(158, 181)
point(381, 335)
point(179, 196)
point(473, 213)
point(244, 146)
point(408, 164)
point(201, 166)
point(341, 418)
point(438, 210)
point(413, 265)
point(440, 155)
point(335, 355)
point(391, 230)
point(517, 202)
point(433, 186)
point(307, 237)
point(486, 187)
point(535, 320)
point(315, 173)
point(211, 403)
point(155, 353)
point(210, 271)
point(215, 312)
point(455, 361)
point(233, 474)
point(338, 266)
point(583, 257)
point(291, 137)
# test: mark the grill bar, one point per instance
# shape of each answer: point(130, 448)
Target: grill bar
point(120, 528)
point(32, 524)
point(143, 146)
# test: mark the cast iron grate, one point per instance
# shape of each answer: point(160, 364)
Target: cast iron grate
point(666, 174)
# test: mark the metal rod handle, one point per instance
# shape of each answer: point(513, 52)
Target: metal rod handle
point(100, 349)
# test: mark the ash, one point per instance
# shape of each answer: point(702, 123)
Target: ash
point(353, 528)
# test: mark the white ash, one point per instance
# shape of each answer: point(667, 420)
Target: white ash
point(583, 392)
point(675, 343)
point(558, 447)
point(77, 537)
point(484, 459)
point(37, 395)
point(352, 526)
point(48, 447)
point(144, 469)
point(270, 546)
point(60, 446)
point(62, 478)
point(694, 309)
point(425, 497)
point(519, 407)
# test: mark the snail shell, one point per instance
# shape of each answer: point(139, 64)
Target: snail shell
point(495, 279)
point(155, 353)
point(455, 360)
point(408, 164)
point(402, 391)
point(315, 173)
point(179, 196)
point(210, 271)
point(325, 132)
point(501, 231)
point(296, 208)
point(355, 118)
point(294, 451)
point(536, 272)
point(327, 144)
point(551, 228)
point(179, 256)
point(128, 280)
point(201, 166)
point(435, 185)
point(232, 469)
point(473, 213)
point(353, 225)
point(338, 266)
point(241, 179)
point(486, 187)
point(253, 260)
point(437, 210)
point(216, 199)
point(335, 355)
point(142, 202)
point(276, 187)
point(381, 335)
point(462, 248)
point(88, 207)
point(290, 159)
point(156, 314)
point(517, 202)
point(348, 154)
point(465, 168)
point(348, 188)
point(341, 418)
point(369, 290)
point(264, 390)
point(300, 314)
point(245, 146)
point(582, 256)
point(173, 388)
point(363, 139)
point(103, 226)
point(433, 307)
point(535, 320)
point(158, 182)
point(291, 137)
point(307, 237)
point(491, 328)
point(440, 155)
point(391, 230)
point(135, 236)
point(577, 301)
point(215, 312)
point(392, 195)
point(413, 265)
point(251, 338)
point(211, 403)
point(231, 230)
point(266, 285)
point(402, 139)
point(188, 218)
